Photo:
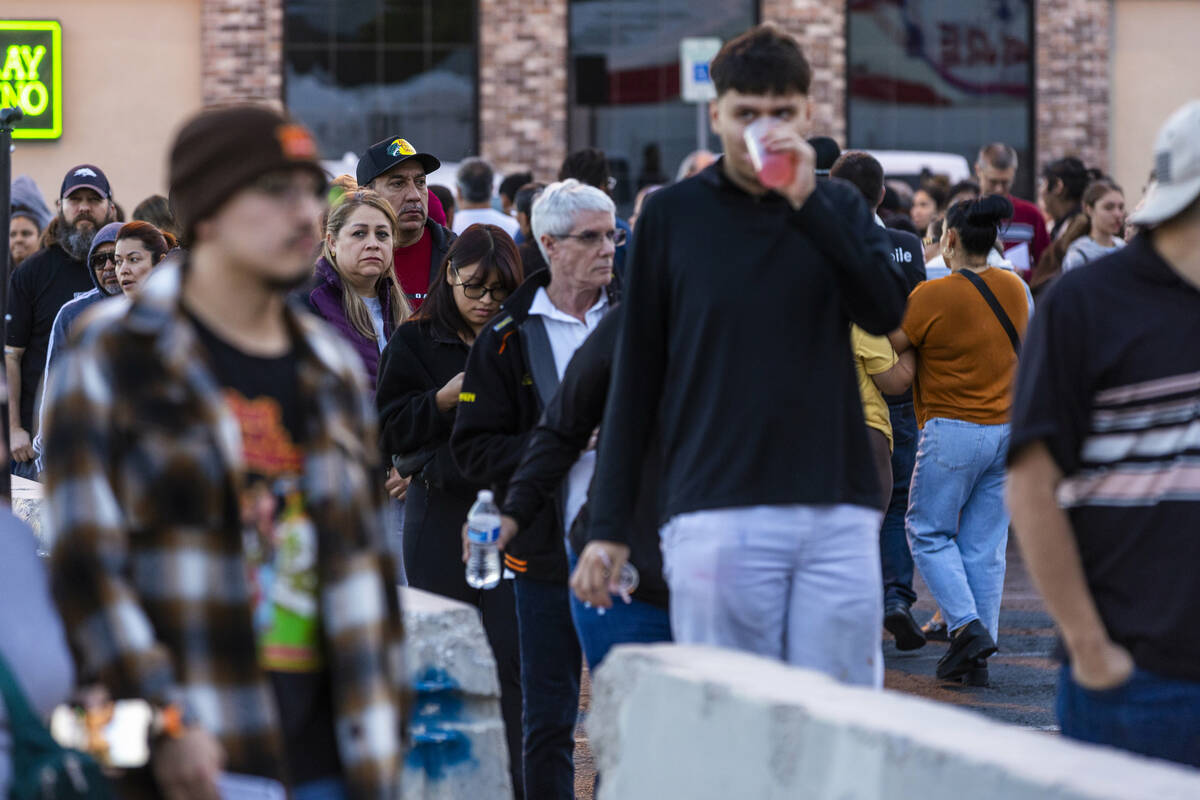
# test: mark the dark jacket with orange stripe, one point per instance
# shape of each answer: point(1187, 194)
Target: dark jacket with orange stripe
point(509, 379)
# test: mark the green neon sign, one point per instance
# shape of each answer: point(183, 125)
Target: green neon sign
point(31, 75)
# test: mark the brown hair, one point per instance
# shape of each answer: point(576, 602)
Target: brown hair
point(353, 305)
point(493, 250)
point(1050, 264)
point(159, 243)
point(156, 210)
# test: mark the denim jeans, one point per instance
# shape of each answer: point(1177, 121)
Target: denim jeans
point(323, 789)
point(550, 666)
point(636, 623)
point(796, 583)
point(957, 522)
point(894, 556)
point(1150, 714)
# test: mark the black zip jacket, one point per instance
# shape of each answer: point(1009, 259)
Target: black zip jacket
point(562, 434)
point(504, 391)
point(735, 347)
point(418, 361)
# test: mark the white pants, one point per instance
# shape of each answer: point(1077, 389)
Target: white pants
point(797, 583)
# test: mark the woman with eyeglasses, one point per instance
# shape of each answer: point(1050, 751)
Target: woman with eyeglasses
point(420, 377)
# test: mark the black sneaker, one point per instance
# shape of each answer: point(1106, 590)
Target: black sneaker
point(978, 675)
point(900, 623)
point(971, 643)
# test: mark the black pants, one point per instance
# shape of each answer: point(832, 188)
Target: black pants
point(433, 560)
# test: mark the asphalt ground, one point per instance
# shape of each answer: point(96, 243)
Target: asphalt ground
point(1023, 673)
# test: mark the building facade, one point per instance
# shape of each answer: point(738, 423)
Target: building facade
point(523, 82)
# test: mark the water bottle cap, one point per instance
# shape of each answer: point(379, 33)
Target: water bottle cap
point(486, 496)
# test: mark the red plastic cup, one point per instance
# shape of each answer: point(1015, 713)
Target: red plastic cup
point(774, 170)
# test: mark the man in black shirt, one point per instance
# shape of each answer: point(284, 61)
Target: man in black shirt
point(866, 173)
point(1104, 485)
point(46, 281)
point(772, 539)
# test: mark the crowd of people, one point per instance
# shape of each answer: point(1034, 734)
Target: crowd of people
point(257, 408)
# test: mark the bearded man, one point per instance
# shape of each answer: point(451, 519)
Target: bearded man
point(47, 280)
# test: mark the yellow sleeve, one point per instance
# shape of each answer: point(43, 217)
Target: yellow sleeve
point(875, 353)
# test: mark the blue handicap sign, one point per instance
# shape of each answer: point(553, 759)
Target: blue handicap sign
point(700, 73)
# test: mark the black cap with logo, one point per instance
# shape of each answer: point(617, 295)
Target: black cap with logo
point(387, 154)
point(86, 176)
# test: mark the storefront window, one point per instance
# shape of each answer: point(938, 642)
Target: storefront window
point(357, 71)
point(624, 93)
point(942, 75)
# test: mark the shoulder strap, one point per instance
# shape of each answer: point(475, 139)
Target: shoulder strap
point(541, 358)
point(997, 309)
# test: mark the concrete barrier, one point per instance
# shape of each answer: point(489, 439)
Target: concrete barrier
point(672, 721)
point(458, 745)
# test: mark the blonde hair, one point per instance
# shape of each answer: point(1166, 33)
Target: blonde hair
point(352, 305)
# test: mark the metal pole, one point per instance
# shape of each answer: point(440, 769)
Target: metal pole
point(701, 126)
point(8, 116)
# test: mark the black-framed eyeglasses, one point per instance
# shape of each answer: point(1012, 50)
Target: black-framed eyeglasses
point(476, 291)
point(592, 238)
point(98, 260)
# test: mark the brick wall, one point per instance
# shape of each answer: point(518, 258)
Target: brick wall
point(1073, 83)
point(523, 84)
point(820, 25)
point(242, 44)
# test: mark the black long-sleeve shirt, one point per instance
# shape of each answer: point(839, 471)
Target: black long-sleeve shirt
point(735, 344)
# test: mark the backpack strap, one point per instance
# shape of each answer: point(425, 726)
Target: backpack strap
point(997, 309)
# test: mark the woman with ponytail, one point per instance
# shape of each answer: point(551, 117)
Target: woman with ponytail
point(966, 330)
point(1100, 231)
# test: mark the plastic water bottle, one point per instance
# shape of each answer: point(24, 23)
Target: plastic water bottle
point(483, 532)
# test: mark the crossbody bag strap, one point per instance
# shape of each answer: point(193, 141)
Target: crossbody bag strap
point(997, 309)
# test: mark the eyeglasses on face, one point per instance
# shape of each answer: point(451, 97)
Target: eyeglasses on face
point(98, 260)
point(592, 238)
point(476, 291)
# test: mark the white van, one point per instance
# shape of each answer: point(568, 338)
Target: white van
point(907, 165)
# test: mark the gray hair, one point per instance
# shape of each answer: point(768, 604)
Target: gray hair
point(474, 180)
point(555, 209)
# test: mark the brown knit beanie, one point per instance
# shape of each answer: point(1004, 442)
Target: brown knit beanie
point(220, 150)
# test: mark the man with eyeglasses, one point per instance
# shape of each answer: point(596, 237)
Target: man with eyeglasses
point(513, 371)
point(46, 281)
point(590, 166)
point(215, 495)
point(395, 169)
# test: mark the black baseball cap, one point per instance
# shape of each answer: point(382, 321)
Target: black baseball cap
point(86, 176)
point(382, 156)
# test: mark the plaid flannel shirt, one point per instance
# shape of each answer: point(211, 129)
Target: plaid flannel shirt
point(142, 483)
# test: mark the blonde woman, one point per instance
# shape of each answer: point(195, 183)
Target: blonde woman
point(357, 291)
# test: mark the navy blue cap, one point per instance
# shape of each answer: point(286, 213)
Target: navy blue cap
point(384, 155)
point(86, 176)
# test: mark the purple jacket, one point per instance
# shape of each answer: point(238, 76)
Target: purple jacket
point(326, 301)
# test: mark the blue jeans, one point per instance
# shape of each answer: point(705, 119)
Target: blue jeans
point(636, 623)
point(894, 556)
point(550, 667)
point(323, 789)
point(957, 522)
point(1150, 714)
